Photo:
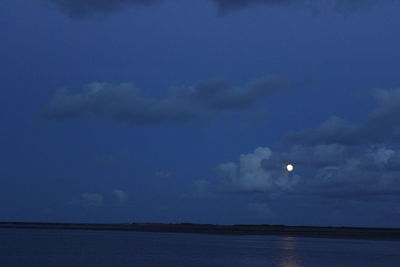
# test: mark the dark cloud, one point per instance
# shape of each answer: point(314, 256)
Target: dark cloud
point(320, 171)
point(338, 159)
point(382, 126)
point(163, 174)
point(120, 196)
point(123, 102)
point(248, 175)
point(220, 94)
point(368, 174)
point(87, 8)
point(84, 8)
point(225, 6)
point(313, 157)
point(200, 190)
point(89, 200)
point(333, 131)
point(117, 101)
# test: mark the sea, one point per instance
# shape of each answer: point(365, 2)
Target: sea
point(25, 247)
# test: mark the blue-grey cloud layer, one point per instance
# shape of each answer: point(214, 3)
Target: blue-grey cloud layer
point(323, 170)
point(83, 8)
point(342, 5)
point(382, 125)
point(124, 102)
point(338, 159)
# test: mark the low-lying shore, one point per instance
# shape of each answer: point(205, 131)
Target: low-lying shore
point(392, 234)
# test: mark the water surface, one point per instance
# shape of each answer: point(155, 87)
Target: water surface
point(25, 247)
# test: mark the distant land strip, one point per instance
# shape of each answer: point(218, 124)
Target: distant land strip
point(387, 234)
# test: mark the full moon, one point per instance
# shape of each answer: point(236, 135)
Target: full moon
point(289, 167)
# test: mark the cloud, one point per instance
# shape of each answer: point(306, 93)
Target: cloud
point(91, 8)
point(225, 6)
point(382, 125)
point(163, 174)
point(124, 102)
point(334, 130)
point(220, 94)
point(85, 8)
point(248, 175)
point(121, 102)
point(370, 173)
point(361, 172)
point(200, 190)
point(336, 160)
point(332, 171)
point(120, 195)
point(91, 199)
point(312, 157)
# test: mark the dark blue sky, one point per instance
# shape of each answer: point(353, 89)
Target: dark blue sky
point(176, 110)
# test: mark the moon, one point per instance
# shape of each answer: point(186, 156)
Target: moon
point(289, 167)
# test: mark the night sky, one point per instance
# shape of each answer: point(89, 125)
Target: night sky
point(190, 110)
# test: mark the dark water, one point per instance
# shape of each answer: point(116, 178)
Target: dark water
point(97, 248)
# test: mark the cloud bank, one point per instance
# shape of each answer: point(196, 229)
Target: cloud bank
point(340, 173)
point(95, 200)
point(121, 102)
point(85, 8)
point(225, 6)
point(382, 125)
point(248, 175)
point(124, 102)
point(336, 160)
point(88, 8)
point(163, 174)
point(120, 195)
point(200, 190)
point(92, 199)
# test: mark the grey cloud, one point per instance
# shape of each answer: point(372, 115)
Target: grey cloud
point(88, 8)
point(120, 195)
point(163, 174)
point(362, 171)
point(200, 190)
point(249, 176)
point(380, 127)
point(324, 170)
point(340, 5)
point(383, 124)
point(92, 199)
point(84, 8)
point(226, 5)
point(355, 5)
point(310, 157)
point(368, 174)
point(337, 160)
point(118, 101)
point(333, 131)
point(123, 102)
point(220, 94)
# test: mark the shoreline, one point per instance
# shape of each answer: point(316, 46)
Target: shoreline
point(383, 234)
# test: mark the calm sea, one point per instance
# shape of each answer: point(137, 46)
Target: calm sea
point(102, 248)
